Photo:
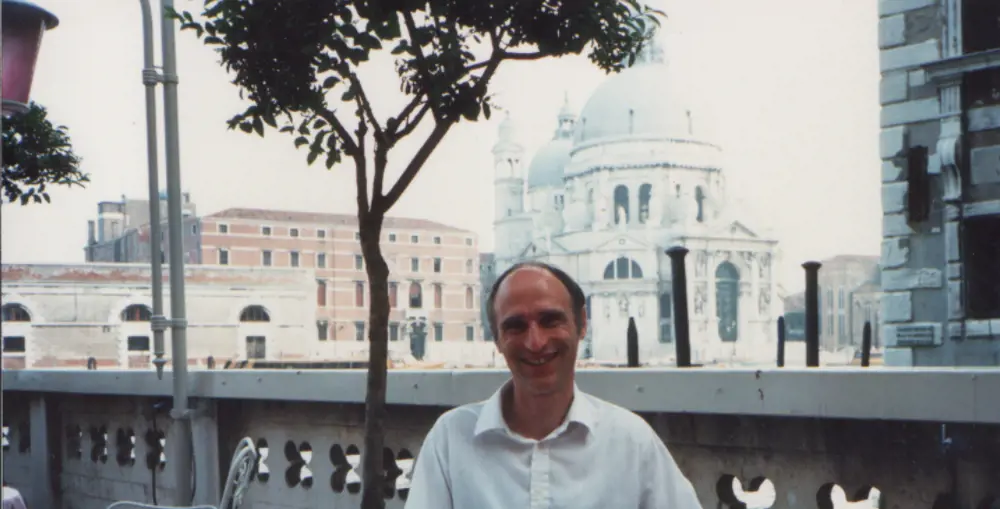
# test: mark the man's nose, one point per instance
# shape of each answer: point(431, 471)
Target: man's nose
point(536, 338)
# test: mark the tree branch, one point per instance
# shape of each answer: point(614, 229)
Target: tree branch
point(361, 168)
point(432, 141)
point(350, 146)
point(393, 129)
point(411, 125)
point(362, 99)
point(411, 28)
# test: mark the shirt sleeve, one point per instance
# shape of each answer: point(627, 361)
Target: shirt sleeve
point(430, 487)
point(664, 485)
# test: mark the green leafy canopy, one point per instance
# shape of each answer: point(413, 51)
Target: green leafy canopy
point(297, 61)
point(37, 154)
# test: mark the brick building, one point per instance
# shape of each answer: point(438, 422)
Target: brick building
point(940, 150)
point(434, 269)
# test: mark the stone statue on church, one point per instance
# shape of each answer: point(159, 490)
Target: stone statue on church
point(601, 217)
point(621, 218)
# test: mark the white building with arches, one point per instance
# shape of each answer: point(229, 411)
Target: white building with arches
point(633, 174)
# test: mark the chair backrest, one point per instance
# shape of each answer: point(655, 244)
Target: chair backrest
point(241, 473)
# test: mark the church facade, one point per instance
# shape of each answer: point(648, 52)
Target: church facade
point(627, 178)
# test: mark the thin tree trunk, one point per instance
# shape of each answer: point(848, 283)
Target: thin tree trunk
point(372, 469)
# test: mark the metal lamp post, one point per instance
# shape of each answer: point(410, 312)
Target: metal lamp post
point(24, 23)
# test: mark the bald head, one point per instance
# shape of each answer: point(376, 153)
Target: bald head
point(554, 275)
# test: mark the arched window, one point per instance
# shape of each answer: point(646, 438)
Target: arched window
point(666, 313)
point(645, 193)
point(15, 313)
point(137, 313)
point(254, 314)
point(623, 268)
point(621, 204)
point(468, 298)
point(416, 296)
point(727, 300)
point(438, 295)
point(699, 198)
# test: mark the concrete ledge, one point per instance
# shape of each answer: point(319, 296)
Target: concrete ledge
point(938, 395)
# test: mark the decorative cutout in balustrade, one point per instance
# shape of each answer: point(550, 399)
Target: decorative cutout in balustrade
point(125, 447)
point(263, 472)
point(344, 474)
point(405, 462)
point(759, 493)
point(99, 444)
point(74, 442)
point(832, 496)
point(298, 472)
point(6, 437)
point(156, 445)
point(23, 437)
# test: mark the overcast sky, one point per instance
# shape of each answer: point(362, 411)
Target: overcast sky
point(793, 86)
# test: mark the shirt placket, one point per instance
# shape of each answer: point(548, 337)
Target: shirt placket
point(540, 481)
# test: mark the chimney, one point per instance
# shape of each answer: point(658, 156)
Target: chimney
point(91, 239)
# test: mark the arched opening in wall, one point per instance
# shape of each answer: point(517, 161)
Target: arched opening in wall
point(416, 296)
point(727, 301)
point(645, 193)
point(621, 204)
point(16, 327)
point(623, 268)
point(699, 198)
point(469, 298)
point(136, 331)
point(438, 295)
point(666, 318)
point(253, 320)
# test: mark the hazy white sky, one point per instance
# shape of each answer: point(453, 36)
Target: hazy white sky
point(793, 85)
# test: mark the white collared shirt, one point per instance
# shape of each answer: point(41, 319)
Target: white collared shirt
point(602, 456)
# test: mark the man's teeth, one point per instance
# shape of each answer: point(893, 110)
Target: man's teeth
point(539, 361)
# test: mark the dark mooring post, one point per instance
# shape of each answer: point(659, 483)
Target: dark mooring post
point(812, 313)
point(632, 343)
point(781, 341)
point(866, 345)
point(679, 281)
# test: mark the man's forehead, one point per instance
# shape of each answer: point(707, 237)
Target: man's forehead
point(535, 281)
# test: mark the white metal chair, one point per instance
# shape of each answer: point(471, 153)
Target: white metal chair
point(241, 472)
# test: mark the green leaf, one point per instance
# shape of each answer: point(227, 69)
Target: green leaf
point(319, 124)
point(486, 110)
point(348, 95)
point(258, 125)
point(301, 140)
point(331, 82)
point(311, 158)
point(246, 127)
point(287, 129)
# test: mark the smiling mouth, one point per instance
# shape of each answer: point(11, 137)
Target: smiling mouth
point(541, 361)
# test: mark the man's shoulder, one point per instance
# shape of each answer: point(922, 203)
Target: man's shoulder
point(618, 419)
point(459, 419)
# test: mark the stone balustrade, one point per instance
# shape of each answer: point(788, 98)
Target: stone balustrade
point(746, 438)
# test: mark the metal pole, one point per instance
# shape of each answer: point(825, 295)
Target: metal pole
point(781, 341)
point(178, 323)
point(812, 313)
point(150, 78)
point(679, 280)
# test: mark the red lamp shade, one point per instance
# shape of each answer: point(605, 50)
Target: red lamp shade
point(23, 26)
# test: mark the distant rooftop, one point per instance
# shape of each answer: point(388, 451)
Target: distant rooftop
point(289, 216)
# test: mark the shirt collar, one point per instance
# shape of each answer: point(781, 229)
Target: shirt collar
point(581, 411)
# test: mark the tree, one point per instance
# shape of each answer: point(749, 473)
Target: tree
point(299, 63)
point(37, 154)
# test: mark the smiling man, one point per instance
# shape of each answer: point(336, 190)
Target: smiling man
point(539, 442)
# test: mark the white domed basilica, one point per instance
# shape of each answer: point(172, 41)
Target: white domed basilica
point(630, 177)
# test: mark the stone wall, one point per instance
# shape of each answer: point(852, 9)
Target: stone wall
point(926, 90)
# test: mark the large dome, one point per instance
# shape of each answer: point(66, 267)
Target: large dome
point(547, 166)
point(643, 101)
